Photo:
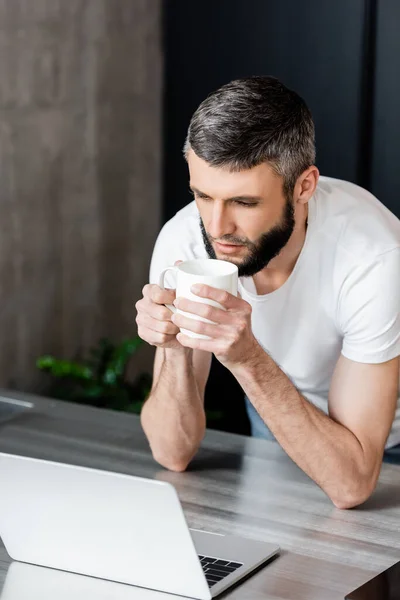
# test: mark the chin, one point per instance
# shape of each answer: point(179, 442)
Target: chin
point(229, 259)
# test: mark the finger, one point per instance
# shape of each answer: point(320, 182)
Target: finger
point(153, 338)
point(213, 330)
point(217, 315)
point(147, 322)
point(156, 311)
point(177, 262)
point(195, 343)
point(223, 297)
point(158, 295)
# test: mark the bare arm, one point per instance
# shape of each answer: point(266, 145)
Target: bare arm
point(342, 452)
point(173, 417)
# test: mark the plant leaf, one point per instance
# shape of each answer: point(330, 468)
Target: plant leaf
point(64, 368)
point(117, 364)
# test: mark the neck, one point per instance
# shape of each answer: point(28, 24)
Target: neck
point(278, 270)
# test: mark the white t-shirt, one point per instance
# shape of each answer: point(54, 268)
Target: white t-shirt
point(343, 295)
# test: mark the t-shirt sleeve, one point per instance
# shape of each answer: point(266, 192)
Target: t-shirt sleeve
point(369, 310)
point(173, 243)
point(165, 254)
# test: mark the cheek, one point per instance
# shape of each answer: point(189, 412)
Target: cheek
point(205, 213)
point(265, 220)
point(252, 226)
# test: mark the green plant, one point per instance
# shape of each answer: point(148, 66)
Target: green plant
point(100, 379)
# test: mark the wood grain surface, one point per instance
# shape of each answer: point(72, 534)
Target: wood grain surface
point(80, 173)
point(238, 485)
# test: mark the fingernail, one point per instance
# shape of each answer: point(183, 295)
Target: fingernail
point(195, 288)
point(176, 302)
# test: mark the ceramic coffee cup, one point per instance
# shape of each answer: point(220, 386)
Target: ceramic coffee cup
point(215, 273)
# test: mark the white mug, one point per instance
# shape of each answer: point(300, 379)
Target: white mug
point(219, 274)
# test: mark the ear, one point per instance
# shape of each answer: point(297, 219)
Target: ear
point(306, 184)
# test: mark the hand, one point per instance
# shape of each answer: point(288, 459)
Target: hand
point(232, 340)
point(154, 319)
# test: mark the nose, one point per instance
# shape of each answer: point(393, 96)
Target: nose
point(220, 223)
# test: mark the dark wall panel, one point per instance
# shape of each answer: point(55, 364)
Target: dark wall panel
point(386, 128)
point(80, 165)
point(316, 47)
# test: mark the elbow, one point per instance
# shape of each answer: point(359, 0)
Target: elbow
point(171, 464)
point(346, 502)
point(354, 486)
point(177, 467)
point(161, 454)
point(352, 496)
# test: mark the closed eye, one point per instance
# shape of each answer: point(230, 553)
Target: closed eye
point(239, 202)
point(198, 195)
point(248, 204)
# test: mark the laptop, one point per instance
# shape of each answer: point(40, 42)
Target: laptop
point(116, 527)
point(24, 581)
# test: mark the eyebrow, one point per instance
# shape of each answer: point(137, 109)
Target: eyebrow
point(233, 198)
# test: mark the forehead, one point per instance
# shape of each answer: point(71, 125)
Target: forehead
point(218, 182)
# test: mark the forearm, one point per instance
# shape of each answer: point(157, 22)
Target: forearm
point(173, 416)
point(328, 452)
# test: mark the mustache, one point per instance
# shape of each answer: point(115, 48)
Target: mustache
point(230, 240)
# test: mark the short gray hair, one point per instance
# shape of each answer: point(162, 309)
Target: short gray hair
point(254, 120)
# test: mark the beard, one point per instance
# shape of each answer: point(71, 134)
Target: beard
point(267, 247)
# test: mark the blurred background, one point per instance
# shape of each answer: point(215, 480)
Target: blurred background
point(95, 100)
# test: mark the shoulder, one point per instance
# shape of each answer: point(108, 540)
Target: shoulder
point(354, 221)
point(184, 224)
point(179, 239)
point(182, 234)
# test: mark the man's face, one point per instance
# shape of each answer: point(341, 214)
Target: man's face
point(244, 216)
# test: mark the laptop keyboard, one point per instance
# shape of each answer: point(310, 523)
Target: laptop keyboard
point(215, 569)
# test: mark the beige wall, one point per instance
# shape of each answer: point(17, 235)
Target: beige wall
point(80, 115)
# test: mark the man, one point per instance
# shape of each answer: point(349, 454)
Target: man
point(314, 336)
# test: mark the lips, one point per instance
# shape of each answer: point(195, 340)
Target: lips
point(228, 248)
